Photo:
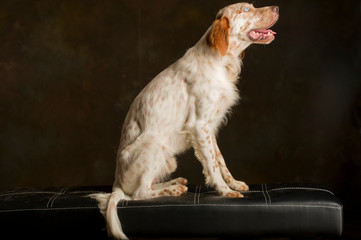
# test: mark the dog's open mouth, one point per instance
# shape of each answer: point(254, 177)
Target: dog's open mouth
point(260, 34)
point(263, 35)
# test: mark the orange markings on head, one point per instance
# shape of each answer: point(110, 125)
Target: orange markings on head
point(218, 36)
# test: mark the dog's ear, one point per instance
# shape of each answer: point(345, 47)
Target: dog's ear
point(218, 36)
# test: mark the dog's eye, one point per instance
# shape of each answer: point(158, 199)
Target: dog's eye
point(246, 9)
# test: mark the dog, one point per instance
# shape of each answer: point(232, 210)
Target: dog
point(183, 107)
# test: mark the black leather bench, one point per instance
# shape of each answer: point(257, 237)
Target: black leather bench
point(267, 210)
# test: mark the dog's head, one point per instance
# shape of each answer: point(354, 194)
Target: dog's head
point(242, 24)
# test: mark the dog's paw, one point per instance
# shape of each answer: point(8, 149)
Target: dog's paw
point(180, 180)
point(225, 191)
point(177, 190)
point(173, 190)
point(233, 194)
point(238, 185)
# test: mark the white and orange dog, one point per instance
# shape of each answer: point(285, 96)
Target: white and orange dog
point(183, 107)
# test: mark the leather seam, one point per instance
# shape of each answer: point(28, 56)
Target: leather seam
point(51, 199)
point(236, 205)
point(24, 193)
point(285, 188)
point(173, 205)
point(195, 195)
point(249, 191)
point(341, 219)
point(54, 197)
point(264, 195)
point(269, 197)
point(301, 188)
point(199, 193)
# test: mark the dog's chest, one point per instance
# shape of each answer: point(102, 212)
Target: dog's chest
point(215, 98)
point(224, 98)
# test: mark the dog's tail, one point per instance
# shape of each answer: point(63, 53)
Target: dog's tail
point(107, 203)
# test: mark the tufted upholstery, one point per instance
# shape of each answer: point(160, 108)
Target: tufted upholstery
point(283, 210)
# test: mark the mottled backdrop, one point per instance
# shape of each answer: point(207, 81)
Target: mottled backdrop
point(70, 69)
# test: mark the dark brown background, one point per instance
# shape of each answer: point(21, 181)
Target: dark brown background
point(70, 69)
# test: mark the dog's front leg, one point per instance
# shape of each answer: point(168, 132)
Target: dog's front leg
point(203, 144)
point(227, 176)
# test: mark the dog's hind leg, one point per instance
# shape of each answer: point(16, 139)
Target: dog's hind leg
point(172, 187)
point(176, 181)
point(148, 190)
point(154, 163)
point(171, 167)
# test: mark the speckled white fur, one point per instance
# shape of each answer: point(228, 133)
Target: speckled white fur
point(183, 107)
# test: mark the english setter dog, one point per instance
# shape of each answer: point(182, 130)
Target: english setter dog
point(183, 107)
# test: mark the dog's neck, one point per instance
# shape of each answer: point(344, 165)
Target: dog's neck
point(235, 47)
point(232, 61)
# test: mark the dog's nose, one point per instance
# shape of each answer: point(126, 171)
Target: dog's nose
point(275, 9)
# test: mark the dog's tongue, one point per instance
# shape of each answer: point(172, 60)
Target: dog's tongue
point(257, 34)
